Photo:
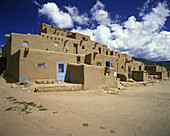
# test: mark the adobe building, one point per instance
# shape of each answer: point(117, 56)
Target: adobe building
point(66, 56)
point(158, 72)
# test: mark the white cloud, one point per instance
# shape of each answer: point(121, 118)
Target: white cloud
point(138, 38)
point(58, 17)
point(74, 13)
point(99, 14)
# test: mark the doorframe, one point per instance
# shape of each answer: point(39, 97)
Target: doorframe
point(57, 64)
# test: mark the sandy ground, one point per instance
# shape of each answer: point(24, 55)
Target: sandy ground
point(136, 111)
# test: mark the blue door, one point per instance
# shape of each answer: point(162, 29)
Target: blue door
point(69, 76)
point(61, 71)
point(108, 64)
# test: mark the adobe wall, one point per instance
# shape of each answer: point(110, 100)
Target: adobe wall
point(12, 69)
point(6, 50)
point(48, 42)
point(139, 75)
point(44, 42)
point(77, 71)
point(151, 69)
point(49, 29)
point(98, 58)
point(28, 64)
point(95, 78)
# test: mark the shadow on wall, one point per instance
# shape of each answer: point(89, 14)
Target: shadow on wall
point(11, 74)
point(9, 79)
point(122, 77)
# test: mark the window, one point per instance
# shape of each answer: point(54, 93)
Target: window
point(61, 68)
point(133, 68)
point(106, 52)
point(98, 64)
point(140, 68)
point(78, 59)
point(25, 43)
point(122, 67)
point(82, 47)
point(118, 56)
point(100, 51)
point(108, 64)
point(51, 38)
point(83, 38)
point(55, 44)
point(41, 65)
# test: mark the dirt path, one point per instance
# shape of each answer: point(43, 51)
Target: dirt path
point(137, 111)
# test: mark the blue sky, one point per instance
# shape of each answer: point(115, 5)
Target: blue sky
point(137, 27)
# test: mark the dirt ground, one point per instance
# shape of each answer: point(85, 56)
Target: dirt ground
point(136, 111)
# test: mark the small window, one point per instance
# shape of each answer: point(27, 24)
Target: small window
point(47, 36)
point(61, 39)
point(55, 38)
point(100, 51)
point(42, 35)
point(41, 65)
point(122, 67)
point(83, 47)
point(83, 38)
point(51, 38)
point(25, 43)
point(61, 68)
point(55, 44)
point(78, 59)
point(134, 68)
point(118, 56)
point(106, 52)
point(98, 64)
point(140, 68)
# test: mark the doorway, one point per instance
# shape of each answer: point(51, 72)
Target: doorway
point(61, 71)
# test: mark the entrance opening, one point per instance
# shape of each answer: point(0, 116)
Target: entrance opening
point(100, 51)
point(108, 64)
point(75, 49)
point(78, 59)
point(129, 72)
point(61, 71)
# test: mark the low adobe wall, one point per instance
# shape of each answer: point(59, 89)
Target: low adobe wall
point(139, 75)
point(95, 78)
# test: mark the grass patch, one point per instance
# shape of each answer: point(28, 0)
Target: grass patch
point(44, 109)
point(32, 104)
point(10, 97)
point(26, 105)
point(112, 131)
point(85, 124)
point(9, 109)
point(17, 102)
point(28, 112)
point(13, 100)
point(23, 102)
point(40, 106)
point(101, 127)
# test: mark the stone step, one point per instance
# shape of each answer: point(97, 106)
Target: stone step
point(76, 87)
